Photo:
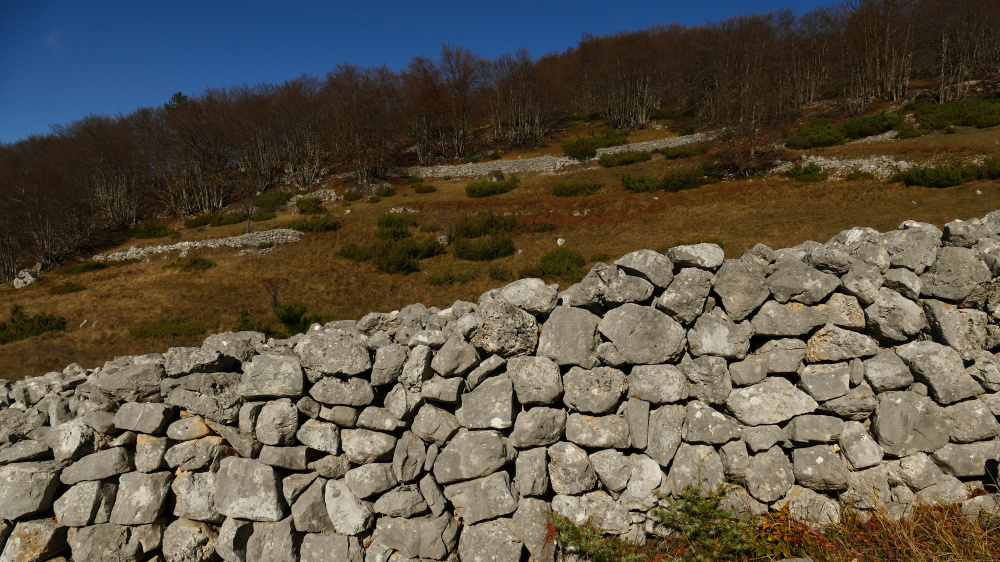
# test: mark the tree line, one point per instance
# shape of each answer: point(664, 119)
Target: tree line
point(88, 182)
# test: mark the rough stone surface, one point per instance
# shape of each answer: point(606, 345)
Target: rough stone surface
point(569, 337)
point(772, 401)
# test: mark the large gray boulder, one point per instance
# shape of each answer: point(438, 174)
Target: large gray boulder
point(706, 425)
point(272, 375)
point(772, 401)
point(86, 503)
point(859, 448)
point(595, 391)
point(971, 421)
point(536, 380)
point(658, 384)
point(34, 541)
point(473, 454)
point(247, 489)
point(715, 334)
point(652, 266)
point(684, 299)
point(796, 281)
point(141, 498)
point(421, 537)
point(819, 468)
point(27, 488)
point(349, 515)
point(531, 295)
point(695, 465)
point(195, 493)
point(569, 337)
point(906, 423)
point(913, 246)
point(643, 335)
point(98, 466)
point(886, 371)
point(333, 351)
point(962, 329)
point(538, 427)
point(603, 432)
point(941, 369)
point(189, 541)
point(786, 320)
point(769, 475)
point(863, 281)
point(709, 379)
point(531, 524)
point(893, 318)
point(212, 396)
point(354, 391)
point(240, 346)
point(131, 383)
point(489, 406)
point(831, 343)
point(180, 361)
point(704, 256)
point(149, 417)
point(363, 446)
point(954, 274)
point(506, 330)
point(321, 547)
point(742, 287)
point(482, 499)
point(967, 460)
point(531, 472)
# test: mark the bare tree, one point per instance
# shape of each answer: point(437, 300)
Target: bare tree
point(462, 74)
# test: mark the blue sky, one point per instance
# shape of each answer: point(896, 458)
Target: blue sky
point(61, 60)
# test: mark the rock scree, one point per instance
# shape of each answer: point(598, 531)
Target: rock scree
point(860, 373)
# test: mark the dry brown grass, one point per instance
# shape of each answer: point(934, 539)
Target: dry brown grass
point(735, 214)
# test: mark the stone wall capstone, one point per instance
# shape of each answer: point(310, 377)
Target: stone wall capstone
point(856, 373)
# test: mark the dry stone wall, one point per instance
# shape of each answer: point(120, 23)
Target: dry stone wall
point(856, 373)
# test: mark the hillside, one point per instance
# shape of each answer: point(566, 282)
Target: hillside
point(103, 319)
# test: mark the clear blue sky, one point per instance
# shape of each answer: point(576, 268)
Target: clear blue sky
point(61, 60)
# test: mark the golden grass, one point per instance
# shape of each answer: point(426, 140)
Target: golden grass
point(735, 214)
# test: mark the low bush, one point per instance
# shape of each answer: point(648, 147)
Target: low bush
point(395, 226)
point(586, 147)
point(498, 273)
point(424, 188)
point(980, 113)
point(310, 206)
point(192, 264)
point(260, 215)
point(168, 329)
point(484, 249)
point(857, 175)
point(484, 224)
point(495, 155)
point(352, 195)
point(430, 228)
point(685, 179)
point(265, 245)
point(818, 133)
point(82, 267)
point(246, 323)
point(398, 256)
point(66, 288)
point(623, 158)
point(470, 160)
point(683, 151)
point(907, 130)
point(947, 175)
point(705, 533)
point(293, 318)
point(373, 199)
point(601, 257)
point(272, 201)
point(640, 184)
point(215, 219)
point(449, 279)
point(562, 264)
point(870, 125)
point(480, 189)
point(686, 131)
point(20, 326)
point(576, 188)
point(809, 173)
point(153, 229)
point(385, 191)
point(315, 224)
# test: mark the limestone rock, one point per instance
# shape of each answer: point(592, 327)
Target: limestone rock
point(570, 471)
point(569, 337)
point(906, 423)
point(333, 351)
point(538, 427)
point(482, 499)
point(27, 488)
point(272, 375)
point(489, 406)
point(247, 489)
point(786, 320)
point(472, 454)
point(658, 384)
point(536, 380)
point(141, 497)
point(772, 401)
point(506, 330)
point(531, 295)
point(941, 369)
point(704, 256)
point(684, 299)
point(715, 334)
point(742, 286)
point(594, 391)
point(597, 431)
point(770, 475)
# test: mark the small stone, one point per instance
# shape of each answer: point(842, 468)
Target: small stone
point(363, 446)
point(186, 429)
point(597, 431)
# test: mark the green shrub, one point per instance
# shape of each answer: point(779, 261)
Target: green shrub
point(686, 131)
point(705, 532)
point(601, 257)
point(20, 326)
point(310, 206)
point(870, 125)
point(168, 329)
point(585, 117)
point(272, 201)
point(153, 229)
point(576, 188)
point(198, 221)
point(991, 168)
point(947, 175)
point(809, 173)
point(683, 151)
point(373, 199)
point(818, 133)
point(907, 130)
point(400, 256)
point(623, 158)
point(265, 245)
point(82, 267)
point(498, 273)
point(430, 228)
point(685, 179)
point(450, 279)
point(354, 252)
point(470, 160)
point(395, 226)
point(385, 191)
point(591, 544)
point(315, 224)
point(586, 147)
point(495, 155)
point(640, 184)
point(246, 323)
point(857, 175)
point(484, 224)
point(215, 219)
point(352, 195)
point(424, 188)
point(980, 113)
point(192, 264)
point(293, 318)
point(484, 249)
point(66, 288)
point(260, 215)
point(486, 188)
point(414, 180)
point(562, 264)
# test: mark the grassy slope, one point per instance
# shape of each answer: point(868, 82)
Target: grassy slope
point(735, 214)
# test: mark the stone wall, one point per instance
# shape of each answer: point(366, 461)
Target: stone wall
point(858, 372)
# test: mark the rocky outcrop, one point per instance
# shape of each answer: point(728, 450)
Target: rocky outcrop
point(858, 372)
